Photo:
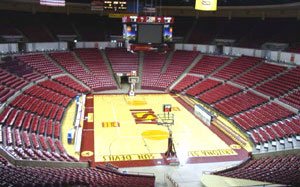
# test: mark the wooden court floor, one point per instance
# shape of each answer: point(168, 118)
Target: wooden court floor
point(126, 131)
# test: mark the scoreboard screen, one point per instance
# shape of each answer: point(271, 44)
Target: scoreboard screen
point(150, 33)
point(147, 29)
point(115, 6)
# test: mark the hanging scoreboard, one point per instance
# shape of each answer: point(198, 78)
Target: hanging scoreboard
point(147, 29)
point(115, 6)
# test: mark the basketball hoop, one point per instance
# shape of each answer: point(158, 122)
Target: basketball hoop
point(166, 120)
point(133, 80)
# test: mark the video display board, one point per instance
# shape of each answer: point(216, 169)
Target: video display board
point(148, 29)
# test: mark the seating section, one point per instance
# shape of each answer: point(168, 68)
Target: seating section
point(37, 176)
point(237, 67)
point(5, 93)
point(40, 63)
point(180, 61)
point(39, 106)
point(239, 103)
point(57, 87)
point(12, 81)
point(152, 66)
point(287, 128)
point(30, 124)
point(278, 170)
point(282, 84)
point(43, 94)
point(14, 66)
point(292, 99)
point(208, 64)
point(94, 61)
point(9, 84)
point(258, 74)
point(218, 93)
point(202, 87)
point(68, 81)
point(122, 61)
point(186, 82)
point(262, 115)
point(70, 63)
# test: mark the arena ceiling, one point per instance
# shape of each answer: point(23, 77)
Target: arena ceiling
point(226, 8)
point(220, 2)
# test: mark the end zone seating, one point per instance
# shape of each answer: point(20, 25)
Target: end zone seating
point(121, 60)
point(152, 66)
point(94, 61)
point(70, 63)
point(180, 61)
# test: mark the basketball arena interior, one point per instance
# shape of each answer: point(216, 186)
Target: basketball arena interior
point(175, 93)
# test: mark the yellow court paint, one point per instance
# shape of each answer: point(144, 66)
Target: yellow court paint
point(135, 101)
point(155, 135)
point(90, 117)
point(110, 124)
point(130, 157)
point(235, 146)
point(142, 141)
point(217, 152)
point(175, 109)
point(87, 153)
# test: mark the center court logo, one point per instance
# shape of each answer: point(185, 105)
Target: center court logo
point(144, 116)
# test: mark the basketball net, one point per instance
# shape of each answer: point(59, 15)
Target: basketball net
point(132, 88)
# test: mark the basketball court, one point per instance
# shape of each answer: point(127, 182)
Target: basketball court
point(126, 131)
